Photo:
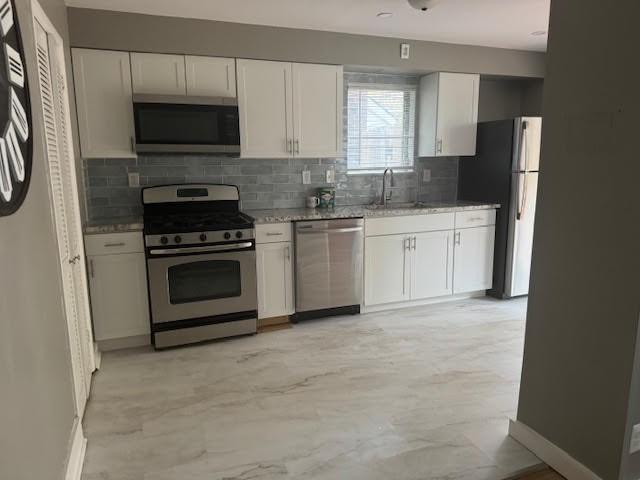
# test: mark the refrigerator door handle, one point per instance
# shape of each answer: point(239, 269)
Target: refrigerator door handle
point(522, 195)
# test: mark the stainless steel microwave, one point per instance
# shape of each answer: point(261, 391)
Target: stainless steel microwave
point(177, 123)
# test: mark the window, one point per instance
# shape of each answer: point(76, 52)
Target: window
point(380, 127)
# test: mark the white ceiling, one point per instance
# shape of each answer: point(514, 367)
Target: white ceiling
point(494, 23)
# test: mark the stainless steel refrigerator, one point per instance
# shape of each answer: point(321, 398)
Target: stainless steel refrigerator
point(505, 170)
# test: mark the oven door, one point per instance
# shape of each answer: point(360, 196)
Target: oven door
point(206, 285)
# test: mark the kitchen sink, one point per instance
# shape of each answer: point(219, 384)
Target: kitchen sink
point(397, 206)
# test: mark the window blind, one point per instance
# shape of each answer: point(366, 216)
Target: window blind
point(380, 126)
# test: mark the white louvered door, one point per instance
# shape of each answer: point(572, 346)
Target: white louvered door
point(52, 82)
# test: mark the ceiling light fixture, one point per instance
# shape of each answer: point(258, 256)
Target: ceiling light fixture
point(423, 5)
point(538, 33)
point(385, 15)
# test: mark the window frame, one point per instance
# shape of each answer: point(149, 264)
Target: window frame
point(405, 88)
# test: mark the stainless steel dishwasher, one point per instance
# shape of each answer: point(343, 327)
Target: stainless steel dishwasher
point(329, 257)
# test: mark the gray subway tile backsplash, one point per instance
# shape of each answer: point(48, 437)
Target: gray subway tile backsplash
point(263, 183)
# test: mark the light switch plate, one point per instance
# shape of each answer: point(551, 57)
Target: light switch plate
point(331, 175)
point(134, 179)
point(426, 175)
point(306, 177)
point(404, 51)
point(635, 439)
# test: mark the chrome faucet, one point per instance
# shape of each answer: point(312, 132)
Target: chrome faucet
point(386, 197)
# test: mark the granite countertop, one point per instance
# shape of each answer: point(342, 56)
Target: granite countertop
point(114, 225)
point(279, 215)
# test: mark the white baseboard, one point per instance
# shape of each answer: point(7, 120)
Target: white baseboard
point(551, 454)
point(78, 450)
point(97, 355)
point(418, 303)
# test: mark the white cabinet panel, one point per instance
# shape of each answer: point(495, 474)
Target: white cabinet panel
point(317, 110)
point(387, 272)
point(210, 76)
point(158, 74)
point(473, 260)
point(448, 114)
point(409, 224)
point(265, 106)
point(432, 265)
point(274, 232)
point(119, 302)
point(103, 98)
point(275, 279)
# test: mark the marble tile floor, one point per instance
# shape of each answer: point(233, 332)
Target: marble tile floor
point(420, 393)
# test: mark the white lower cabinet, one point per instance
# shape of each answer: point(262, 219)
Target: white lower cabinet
point(387, 273)
point(432, 264)
point(118, 286)
point(403, 265)
point(473, 270)
point(274, 269)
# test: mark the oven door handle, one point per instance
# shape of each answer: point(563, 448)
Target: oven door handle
point(202, 249)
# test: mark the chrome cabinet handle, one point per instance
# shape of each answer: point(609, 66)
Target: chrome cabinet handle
point(407, 243)
point(290, 146)
point(288, 252)
point(133, 144)
point(414, 242)
point(116, 244)
point(297, 142)
point(439, 145)
point(91, 270)
point(457, 238)
point(274, 234)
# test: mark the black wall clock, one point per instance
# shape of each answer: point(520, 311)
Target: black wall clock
point(15, 115)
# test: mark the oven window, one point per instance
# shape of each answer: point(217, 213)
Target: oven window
point(206, 280)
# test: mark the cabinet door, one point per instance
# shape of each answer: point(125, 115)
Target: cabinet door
point(158, 74)
point(457, 117)
point(103, 98)
point(275, 279)
point(317, 110)
point(432, 264)
point(387, 273)
point(210, 76)
point(473, 259)
point(264, 103)
point(119, 302)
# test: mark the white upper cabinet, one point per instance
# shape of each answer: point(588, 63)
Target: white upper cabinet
point(103, 98)
point(210, 76)
point(158, 74)
point(448, 114)
point(289, 110)
point(473, 270)
point(265, 106)
point(317, 110)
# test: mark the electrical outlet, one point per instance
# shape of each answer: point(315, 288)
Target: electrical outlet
point(426, 175)
point(635, 439)
point(331, 175)
point(306, 177)
point(134, 179)
point(404, 50)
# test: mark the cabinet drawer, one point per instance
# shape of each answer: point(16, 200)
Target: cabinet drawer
point(409, 224)
point(112, 243)
point(273, 232)
point(475, 218)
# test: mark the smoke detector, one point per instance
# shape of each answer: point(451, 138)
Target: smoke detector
point(423, 5)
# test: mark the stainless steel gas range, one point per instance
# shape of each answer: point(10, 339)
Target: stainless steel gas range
point(201, 264)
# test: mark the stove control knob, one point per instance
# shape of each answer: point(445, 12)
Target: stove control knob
point(164, 240)
point(203, 237)
point(227, 235)
point(177, 239)
point(238, 234)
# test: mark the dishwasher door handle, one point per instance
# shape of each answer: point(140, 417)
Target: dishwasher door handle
point(330, 230)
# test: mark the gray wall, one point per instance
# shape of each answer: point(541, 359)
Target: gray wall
point(264, 183)
point(36, 403)
point(148, 33)
point(582, 324)
point(500, 99)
